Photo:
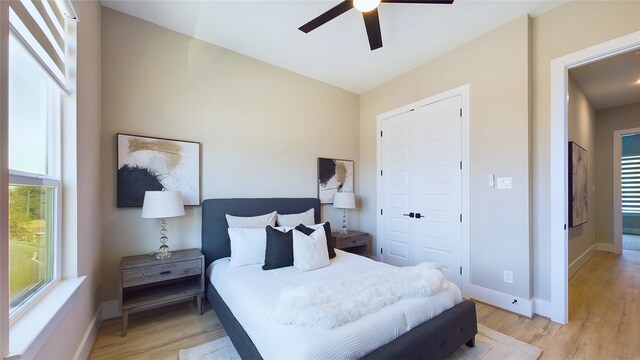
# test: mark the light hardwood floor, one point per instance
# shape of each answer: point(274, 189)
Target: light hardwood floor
point(604, 320)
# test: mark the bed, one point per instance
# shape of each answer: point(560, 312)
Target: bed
point(434, 339)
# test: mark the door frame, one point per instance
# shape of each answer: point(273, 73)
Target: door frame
point(462, 91)
point(558, 166)
point(617, 186)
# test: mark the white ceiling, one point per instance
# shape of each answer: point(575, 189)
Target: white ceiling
point(610, 82)
point(338, 52)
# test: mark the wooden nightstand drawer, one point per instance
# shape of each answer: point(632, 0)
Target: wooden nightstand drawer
point(344, 243)
point(357, 242)
point(161, 272)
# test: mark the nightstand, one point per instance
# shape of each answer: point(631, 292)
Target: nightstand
point(147, 282)
point(353, 241)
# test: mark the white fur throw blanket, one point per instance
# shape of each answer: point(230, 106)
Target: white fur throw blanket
point(330, 304)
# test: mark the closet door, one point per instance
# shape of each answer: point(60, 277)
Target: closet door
point(421, 187)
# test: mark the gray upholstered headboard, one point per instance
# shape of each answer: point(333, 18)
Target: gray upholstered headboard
point(215, 238)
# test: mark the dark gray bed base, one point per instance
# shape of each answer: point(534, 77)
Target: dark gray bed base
point(434, 339)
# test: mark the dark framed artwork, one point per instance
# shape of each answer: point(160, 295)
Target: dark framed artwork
point(150, 163)
point(578, 187)
point(334, 175)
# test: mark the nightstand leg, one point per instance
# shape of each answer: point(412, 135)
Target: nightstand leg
point(125, 320)
point(199, 300)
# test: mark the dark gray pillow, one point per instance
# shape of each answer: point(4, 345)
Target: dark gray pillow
point(279, 250)
point(327, 231)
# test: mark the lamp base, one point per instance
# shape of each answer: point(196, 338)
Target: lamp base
point(163, 255)
point(344, 230)
point(163, 252)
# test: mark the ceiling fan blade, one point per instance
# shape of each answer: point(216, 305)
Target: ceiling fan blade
point(419, 1)
point(327, 16)
point(372, 23)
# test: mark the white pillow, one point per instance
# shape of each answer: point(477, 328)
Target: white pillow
point(310, 252)
point(252, 222)
point(316, 226)
point(306, 218)
point(248, 246)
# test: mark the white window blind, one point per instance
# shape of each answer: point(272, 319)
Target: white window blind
point(631, 184)
point(41, 26)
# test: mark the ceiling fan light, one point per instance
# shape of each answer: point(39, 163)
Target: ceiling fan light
point(365, 5)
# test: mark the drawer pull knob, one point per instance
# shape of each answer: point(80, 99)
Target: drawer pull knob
point(165, 273)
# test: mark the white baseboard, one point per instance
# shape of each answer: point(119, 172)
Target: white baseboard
point(542, 307)
point(582, 259)
point(110, 309)
point(89, 336)
point(504, 301)
point(604, 247)
point(106, 310)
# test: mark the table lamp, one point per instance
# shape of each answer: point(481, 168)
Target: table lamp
point(162, 205)
point(344, 200)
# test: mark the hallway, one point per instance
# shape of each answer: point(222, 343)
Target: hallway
point(604, 313)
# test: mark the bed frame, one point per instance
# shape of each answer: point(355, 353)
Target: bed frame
point(435, 339)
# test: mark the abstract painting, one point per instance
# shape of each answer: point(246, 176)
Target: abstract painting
point(148, 163)
point(333, 176)
point(578, 189)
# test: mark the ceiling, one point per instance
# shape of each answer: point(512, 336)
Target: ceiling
point(338, 52)
point(610, 82)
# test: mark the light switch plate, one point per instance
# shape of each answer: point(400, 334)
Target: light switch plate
point(491, 180)
point(504, 183)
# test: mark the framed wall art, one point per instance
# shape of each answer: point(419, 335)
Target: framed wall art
point(334, 175)
point(149, 163)
point(578, 187)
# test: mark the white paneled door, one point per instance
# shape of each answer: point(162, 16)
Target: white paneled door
point(421, 187)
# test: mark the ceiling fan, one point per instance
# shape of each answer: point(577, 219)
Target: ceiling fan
point(369, 10)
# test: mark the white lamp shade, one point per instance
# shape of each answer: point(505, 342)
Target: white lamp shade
point(344, 200)
point(162, 204)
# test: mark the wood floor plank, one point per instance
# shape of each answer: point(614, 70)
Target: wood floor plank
point(604, 320)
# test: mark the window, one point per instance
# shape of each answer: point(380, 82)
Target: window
point(34, 175)
point(631, 184)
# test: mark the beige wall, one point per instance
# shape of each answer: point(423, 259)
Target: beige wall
point(261, 128)
point(574, 26)
point(607, 122)
point(496, 67)
point(581, 124)
point(64, 341)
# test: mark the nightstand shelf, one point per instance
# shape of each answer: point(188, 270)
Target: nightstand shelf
point(147, 282)
point(353, 241)
point(144, 295)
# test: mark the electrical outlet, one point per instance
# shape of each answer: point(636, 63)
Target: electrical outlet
point(508, 276)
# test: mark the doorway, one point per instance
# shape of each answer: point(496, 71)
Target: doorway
point(627, 189)
point(559, 163)
point(423, 184)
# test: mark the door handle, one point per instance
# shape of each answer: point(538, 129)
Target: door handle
point(414, 215)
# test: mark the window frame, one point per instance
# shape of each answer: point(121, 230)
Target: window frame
point(52, 178)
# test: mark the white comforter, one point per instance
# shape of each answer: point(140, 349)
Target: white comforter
point(253, 296)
